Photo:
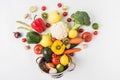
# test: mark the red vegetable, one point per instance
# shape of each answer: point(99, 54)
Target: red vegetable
point(87, 36)
point(24, 40)
point(69, 19)
point(38, 25)
point(95, 32)
point(55, 59)
point(43, 8)
point(65, 13)
point(59, 5)
point(38, 49)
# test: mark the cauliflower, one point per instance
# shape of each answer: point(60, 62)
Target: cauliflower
point(59, 30)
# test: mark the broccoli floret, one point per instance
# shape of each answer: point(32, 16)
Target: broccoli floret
point(80, 18)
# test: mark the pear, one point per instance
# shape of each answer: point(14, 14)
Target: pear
point(54, 17)
point(46, 40)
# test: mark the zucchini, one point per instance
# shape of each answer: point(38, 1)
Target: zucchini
point(47, 54)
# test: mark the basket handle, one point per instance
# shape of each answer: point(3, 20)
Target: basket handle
point(38, 59)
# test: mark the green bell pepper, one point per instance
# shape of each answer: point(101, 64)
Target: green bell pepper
point(33, 37)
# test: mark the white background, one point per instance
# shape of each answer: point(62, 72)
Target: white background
point(100, 61)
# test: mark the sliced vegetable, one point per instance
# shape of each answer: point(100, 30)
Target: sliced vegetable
point(73, 50)
point(44, 15)
point(65, 8)
point(76, 40)
point(33, 8)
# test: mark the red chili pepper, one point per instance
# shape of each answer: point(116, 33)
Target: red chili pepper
point(38, 25)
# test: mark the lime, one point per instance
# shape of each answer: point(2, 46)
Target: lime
point(95, 26)
point(60, 68)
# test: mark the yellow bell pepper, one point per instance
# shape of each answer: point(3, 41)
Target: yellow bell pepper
point(58, 47)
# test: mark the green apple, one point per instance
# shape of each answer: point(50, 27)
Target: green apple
point(60, 68)
point(54, 17)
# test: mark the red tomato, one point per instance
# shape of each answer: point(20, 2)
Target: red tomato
point(55, 59)
point(43, 8)
point(95, 32)
point(87, 36)
point(69, 19)
point(59, 5)
point(24, 40)
point(38, 49)
point(53, 39)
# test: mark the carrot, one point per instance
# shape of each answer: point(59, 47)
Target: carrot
point(76, 40)
point(72, 50)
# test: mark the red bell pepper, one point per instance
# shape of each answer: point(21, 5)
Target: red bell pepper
point(38, 25)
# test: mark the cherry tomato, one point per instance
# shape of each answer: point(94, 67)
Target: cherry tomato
point(81, 30)
point(55, 59)
point(53, 39)
point(65, 13)
point(43, 8)
point(59, 5)
point(87, 36)
point(95, 32)
point(72, 54)
point(17, 34)
point(38, 49)
point(69, 19)
point(24, 40)
point(48, 25)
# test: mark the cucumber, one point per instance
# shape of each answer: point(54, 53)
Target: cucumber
point(47, 54)
point(73, 45)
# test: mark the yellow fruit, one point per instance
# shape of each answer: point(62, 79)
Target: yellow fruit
point(73, 33)
point(54, 17)
point(64, 60)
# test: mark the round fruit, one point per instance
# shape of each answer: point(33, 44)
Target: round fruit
point(59, 5)
point(65, 13)
point(73, 33)
point(43, 8)
point(60, 68)
point(48, 25)
point(64, 60)
point(87, 36)
point(24, 40)
point(69, 19)
point(95, 32)
point(81, 30)
point(95, 26)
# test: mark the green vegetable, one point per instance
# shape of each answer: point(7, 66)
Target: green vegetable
point(44, 15)
point(23, 23)
point(95, 26)
point(73, 45)
point(47, 54)
point(33, 37)
point(80, 18)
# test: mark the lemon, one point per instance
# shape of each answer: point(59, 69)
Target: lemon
point(73, 33)
point(64, 60)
